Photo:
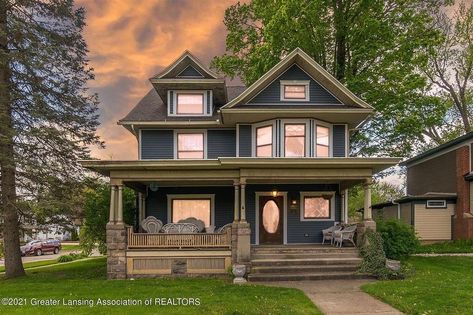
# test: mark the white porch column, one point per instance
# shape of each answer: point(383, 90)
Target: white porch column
point(113, 193)
point(140, 207)
point(367, 204)
point(242, 202)
point(143, 205)
point(236, 208)
point(120, 204)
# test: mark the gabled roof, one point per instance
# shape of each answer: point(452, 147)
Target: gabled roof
point(182, 63)
point(304, 61)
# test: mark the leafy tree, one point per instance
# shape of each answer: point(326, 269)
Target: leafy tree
point(96, 212)
point(48, 118)
point(380, 192)
point(450, 69)
point(375, 47)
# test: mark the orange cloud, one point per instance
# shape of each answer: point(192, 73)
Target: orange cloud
point(129, 41)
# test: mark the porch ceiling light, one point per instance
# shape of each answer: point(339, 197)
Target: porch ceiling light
point(153, 187)
point(274, 193)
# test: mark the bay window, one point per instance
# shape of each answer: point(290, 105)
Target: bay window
point(294, 140)
point(264, 141)
point(322, 141)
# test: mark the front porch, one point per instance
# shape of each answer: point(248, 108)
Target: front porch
point(237, 192)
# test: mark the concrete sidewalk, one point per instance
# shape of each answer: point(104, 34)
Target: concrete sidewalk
point(339, 296)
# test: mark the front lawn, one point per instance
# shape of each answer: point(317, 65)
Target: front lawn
point(33, 264)
point(69, 247)
point(85, 280)
point(441, 285)
point(448, 247)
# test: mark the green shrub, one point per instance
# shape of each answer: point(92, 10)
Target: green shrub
point(399, 239)
point(374, 258)
point(65, 258)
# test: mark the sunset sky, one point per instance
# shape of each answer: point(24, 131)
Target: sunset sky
point(131, 41)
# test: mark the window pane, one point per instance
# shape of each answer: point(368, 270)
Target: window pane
point(271, 216)
point(264, 135)
point(322, 135)
point(264, 151)
point(190, 103)
point(294, 91)
point(316, 207)
point(190, 146)
point(185, 208)
point(294, 142)
point(322, 151)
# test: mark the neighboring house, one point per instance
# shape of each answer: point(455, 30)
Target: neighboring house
point(439, 192)
point(271, 160)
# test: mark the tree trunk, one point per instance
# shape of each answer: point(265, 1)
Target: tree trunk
point(13, 263)
point(340, 38)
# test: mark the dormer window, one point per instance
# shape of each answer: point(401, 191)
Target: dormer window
point(295, 91)
point(190, 103)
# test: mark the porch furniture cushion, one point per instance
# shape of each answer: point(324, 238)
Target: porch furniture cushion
point(151, 225)
point(328, 233)
point(224, 228)
point(210, 229)
point(180, 228)
point(347, 234)
point(199, 223)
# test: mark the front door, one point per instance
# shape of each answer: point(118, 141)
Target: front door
point(271, 219)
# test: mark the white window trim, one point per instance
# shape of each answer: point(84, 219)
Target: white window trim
point(253, 137)
point(330, 138)
point(317, 194)
point(178, 131)
point(306, 83)
point(204, 94)
point(269, 193)
point(192, 196)
point(284, 122)
point(443, 206)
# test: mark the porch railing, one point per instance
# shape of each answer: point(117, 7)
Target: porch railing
point(165, 240)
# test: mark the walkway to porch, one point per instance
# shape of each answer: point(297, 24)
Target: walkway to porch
point(303, 262)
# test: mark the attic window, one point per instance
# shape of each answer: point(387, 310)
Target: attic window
point(295, 90)
point(190, 103)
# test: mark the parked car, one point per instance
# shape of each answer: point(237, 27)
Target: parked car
point(38, 248)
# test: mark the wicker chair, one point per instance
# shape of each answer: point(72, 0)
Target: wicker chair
point(347, 234)
point(328, 233)
point(180, 228)
point(199, 223)
point(151, 225)
point(224, 228)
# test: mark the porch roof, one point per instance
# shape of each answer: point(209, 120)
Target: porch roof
point(341, 164)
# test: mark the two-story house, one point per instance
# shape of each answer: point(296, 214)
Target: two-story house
point(272, 160)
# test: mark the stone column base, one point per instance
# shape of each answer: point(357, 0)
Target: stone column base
point(364, 226)
point(116, 250)
point(241, 249)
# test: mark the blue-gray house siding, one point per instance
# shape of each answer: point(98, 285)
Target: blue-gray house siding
point(272, 93)
point(244, 141)
point(157, 144)
point(339, 141)
point(221, 143)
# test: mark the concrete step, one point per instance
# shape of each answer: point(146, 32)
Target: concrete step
point(302, 269)
point(275, 250)
point(306, 261)
point(303, 255)
point(306, 276)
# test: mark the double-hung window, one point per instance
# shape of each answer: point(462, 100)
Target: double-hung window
point(295, 91)
point(264, 141)
point(191, 103)
point(294, 140)
point(322, 145)
point(190, 145)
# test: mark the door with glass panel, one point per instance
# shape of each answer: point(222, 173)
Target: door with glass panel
point(271, 219)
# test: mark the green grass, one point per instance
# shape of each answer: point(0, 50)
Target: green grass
point(86, 280)
point(449, 247)
point(71, 247)
point(34, 264)
point(441, 285)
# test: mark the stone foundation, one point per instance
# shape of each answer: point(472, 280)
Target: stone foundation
point(241, 249)
point(116, 251)
point(362, 227)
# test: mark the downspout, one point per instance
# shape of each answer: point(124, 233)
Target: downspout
point(398, 209)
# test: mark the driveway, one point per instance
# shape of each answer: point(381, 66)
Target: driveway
point(339, 296)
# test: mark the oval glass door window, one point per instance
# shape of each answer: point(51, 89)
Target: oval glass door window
point(270, 216)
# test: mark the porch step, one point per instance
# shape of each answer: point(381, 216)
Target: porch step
point(306, 261)
point(294, 269)
point(296, 255)
point(301, 249)
point(305, 276)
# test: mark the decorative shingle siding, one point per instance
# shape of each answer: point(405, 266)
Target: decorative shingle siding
point(244, 140)
point(296, 229)
point(339, 141)
point(272, 93)
point(157, 144)
point(157, 202)
point(221, 143)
